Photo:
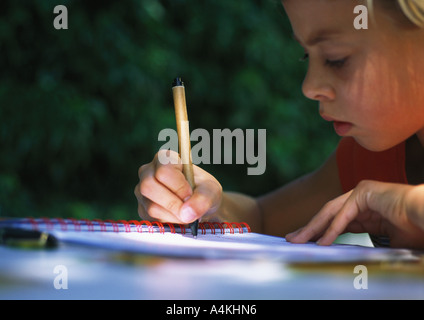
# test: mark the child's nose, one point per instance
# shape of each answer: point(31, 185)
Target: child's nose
point(316, 87)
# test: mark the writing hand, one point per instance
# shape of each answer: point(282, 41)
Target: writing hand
point(164, 194)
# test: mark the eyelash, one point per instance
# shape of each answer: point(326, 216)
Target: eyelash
point(335, 63)
point(304, 58)
point(331, 63)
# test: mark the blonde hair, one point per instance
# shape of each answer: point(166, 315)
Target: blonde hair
point(413, 10)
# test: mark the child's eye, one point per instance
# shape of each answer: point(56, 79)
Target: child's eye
point(331, 63)
point(335, 63)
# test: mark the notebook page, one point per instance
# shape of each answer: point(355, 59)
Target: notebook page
point(230, 246)
point(215, 241)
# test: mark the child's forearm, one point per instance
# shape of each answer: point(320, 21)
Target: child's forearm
point(285, 209)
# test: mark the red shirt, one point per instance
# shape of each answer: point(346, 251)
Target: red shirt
point(356, 163)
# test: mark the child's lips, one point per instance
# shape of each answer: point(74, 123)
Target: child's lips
point(327, 118)
point(341, 127)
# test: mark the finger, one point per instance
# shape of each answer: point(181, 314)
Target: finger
point(158, 213)
point(142, 212)
point(368, 221)
point(343, 218)
point(361, 211)
point(142, 172)
point(312, 231)
point(314, 228)
point(156, 192)
point(290, 236)
point(355, 215)
point(172, 177)
point(206, 199)
point(320, 221)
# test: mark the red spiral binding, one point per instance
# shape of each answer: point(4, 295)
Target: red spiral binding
point(160, 225)
point(182, 228)
point(211, 227)
point(63, 224)
point(76, 223)
point(202, 228)
point(114, 225)
point(33, 223)
point(137, 225)
point(126, 225)
point(238, 225)
point(49, 224)
point(92, 225)
point(229, 226)
point(171, 226)
point(102, 224)
point(149, 225)
point(247, 226)
point(89, 224)
point(219, 226)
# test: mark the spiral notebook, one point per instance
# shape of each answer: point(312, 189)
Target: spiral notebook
point(215, 240)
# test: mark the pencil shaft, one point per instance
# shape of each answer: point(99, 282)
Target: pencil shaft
point(183, 133)
point(183, 130)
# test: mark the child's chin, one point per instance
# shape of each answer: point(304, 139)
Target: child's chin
point(375, 145)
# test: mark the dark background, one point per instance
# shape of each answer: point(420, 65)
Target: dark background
point(81, 109)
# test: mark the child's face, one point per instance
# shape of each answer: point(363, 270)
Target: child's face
point(369, 82)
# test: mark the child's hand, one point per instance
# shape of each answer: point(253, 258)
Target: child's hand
point(393, 210)
point(165, 195)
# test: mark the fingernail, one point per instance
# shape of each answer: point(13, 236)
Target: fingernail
point(292, 234)
point(188, 215)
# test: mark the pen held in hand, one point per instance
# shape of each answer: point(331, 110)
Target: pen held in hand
point(184, 146)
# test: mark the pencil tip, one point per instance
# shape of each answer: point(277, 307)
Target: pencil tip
point(194, 226)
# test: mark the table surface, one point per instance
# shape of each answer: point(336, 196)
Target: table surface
point(72, 272)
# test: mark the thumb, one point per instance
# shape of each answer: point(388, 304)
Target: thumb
point(206, 199)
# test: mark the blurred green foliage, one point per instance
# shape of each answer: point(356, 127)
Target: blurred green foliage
point(80, 109)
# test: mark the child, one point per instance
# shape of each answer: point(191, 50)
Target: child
point(370, 84)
